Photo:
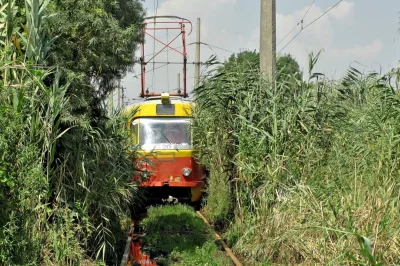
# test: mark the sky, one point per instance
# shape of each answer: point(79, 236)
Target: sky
point(359, 33)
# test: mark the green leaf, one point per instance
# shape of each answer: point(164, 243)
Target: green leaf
point(10, 183)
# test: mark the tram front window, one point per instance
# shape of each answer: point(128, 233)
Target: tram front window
point(164, 134)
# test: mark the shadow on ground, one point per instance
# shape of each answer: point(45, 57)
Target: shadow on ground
point(176, 235)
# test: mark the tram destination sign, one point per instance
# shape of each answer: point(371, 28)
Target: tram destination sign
point(165, 109)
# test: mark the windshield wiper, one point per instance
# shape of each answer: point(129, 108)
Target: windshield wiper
point(169, 142)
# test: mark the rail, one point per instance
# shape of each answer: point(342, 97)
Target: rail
point(224, 245)
point(134, 256)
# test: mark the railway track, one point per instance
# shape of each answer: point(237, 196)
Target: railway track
point(134, 255)
point(222, 242)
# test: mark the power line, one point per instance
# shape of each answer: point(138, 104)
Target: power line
point(288, 33)
point(212, 50)
point(332, 7)
point(175, 63)
point(308, 10)
point(151, 70)
point(179, 63)
point(309, 24)
point(216, 47)
point(154, 41)
point(169, 49)
point(301, 21)
point(192, 44)
point(168, 64)
point(290, 41)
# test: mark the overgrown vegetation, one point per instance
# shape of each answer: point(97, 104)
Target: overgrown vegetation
point(64, 170)
point(96, 40)
point(177, 236)
point(303, 172)
point(286, 65)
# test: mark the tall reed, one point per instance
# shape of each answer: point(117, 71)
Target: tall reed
point(302, 172)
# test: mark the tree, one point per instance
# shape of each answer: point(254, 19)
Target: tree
point(65, 173)
point(286, 64)
point(96, 39)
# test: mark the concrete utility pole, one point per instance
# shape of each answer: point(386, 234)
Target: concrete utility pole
point(122, 97)
point(197, 57)
point(178, 82)
point(268, 38)
point(119, 94)
point(111, 102)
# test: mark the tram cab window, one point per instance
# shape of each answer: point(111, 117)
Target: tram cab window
point(135, 132)
point(164, 133)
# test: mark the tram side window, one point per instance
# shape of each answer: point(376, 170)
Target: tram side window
point(135, 132)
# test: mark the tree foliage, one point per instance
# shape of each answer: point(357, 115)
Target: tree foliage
point(96, 40)
point(64, 170)
point(286, 65)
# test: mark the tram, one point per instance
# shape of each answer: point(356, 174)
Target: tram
point(166, 167)
point(160, 126)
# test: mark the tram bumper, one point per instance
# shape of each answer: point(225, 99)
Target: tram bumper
point(183, 191)
point(176, 176)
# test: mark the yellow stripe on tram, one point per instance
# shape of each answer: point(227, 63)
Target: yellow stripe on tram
point(167, 153)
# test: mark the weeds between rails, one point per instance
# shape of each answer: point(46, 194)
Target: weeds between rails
point(176, 235)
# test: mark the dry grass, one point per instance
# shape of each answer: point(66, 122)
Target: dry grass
point(312, 167)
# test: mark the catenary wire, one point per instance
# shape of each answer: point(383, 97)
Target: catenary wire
point(301, 21)
point(216, 47)
point(309, 24)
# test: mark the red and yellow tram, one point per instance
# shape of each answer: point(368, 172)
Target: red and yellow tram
point(166, 166)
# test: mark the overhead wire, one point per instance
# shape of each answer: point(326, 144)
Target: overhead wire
point(216, 47)
point(309, 24)
point(154, 44)
point(164, 50)
point(290, 41)
point(300, 22)
point(167, 66)
point(152, 70)
point(332, 7)
point(210, 46)
point(288, 33)
point(308, 10)
point(169, 49)
point(212, 50)
point(180, 63)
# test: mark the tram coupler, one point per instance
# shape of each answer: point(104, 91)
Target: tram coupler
point(170, 199)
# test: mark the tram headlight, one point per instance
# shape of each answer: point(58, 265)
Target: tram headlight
point(186, 171)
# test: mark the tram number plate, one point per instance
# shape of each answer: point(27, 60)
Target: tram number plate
point(166, 146)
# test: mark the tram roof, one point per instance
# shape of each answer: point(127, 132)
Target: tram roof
point(157, 100)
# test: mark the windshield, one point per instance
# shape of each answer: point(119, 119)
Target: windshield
point(163, 134)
